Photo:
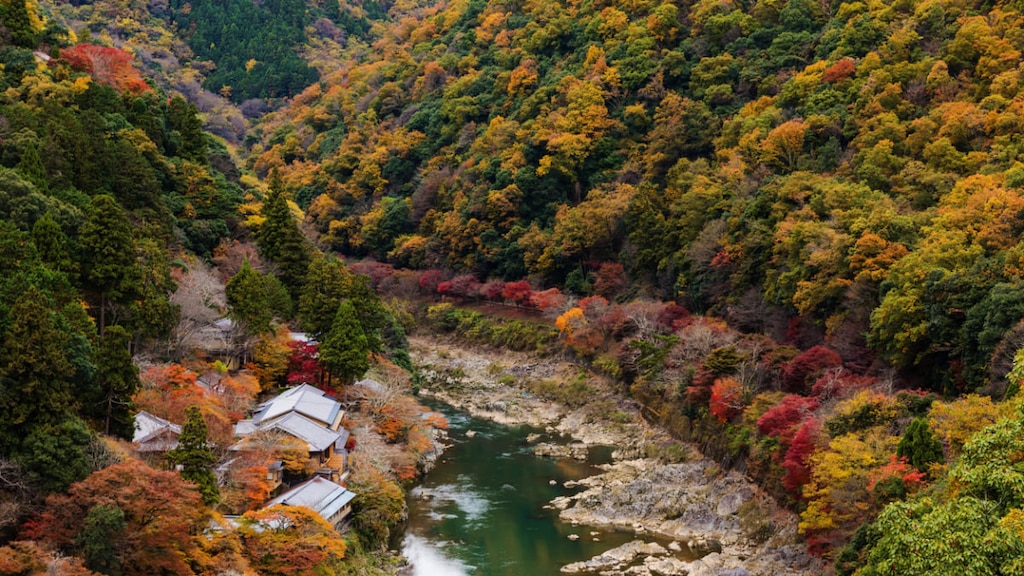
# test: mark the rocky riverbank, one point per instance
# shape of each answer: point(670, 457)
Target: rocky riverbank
point(720, 517)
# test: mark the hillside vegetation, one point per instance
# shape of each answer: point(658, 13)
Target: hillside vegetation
point(124, 244)
point(853, 164)
point(791, 230)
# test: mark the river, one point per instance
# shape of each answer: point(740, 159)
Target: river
point(480, 511)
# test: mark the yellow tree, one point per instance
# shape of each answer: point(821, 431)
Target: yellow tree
point(571, 131)
point(589, 229)
point(784, 145)
point(837, 495)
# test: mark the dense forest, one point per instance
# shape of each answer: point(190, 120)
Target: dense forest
point(851, 165)
point(839, 177)
point(123, 247)
point(789, 229)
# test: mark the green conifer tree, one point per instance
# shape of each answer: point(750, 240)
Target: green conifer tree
point(151, 314)
point(17, 21)
point(52, 245)
point(103, 526)
point(250, 305)
point(118, 380)
point(919, 445)
point(54, 455)
point(370, 312)
point(345, 351)
point(184, 120)
point(195, 457)
point(31, 164)
point(324, 290)
point(35, 374)
point(280, 239)
point(108, 254)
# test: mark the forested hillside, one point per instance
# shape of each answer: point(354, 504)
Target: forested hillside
point(789, 229)
point(131, 290)
point(233, 60)
point(853, 164)
point(104, 186)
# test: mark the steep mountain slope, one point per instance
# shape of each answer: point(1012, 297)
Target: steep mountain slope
point(233, 60)
point(851, 163)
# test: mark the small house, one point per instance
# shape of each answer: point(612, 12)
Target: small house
point(332, 502)
point(154, 435)
point(310, 415)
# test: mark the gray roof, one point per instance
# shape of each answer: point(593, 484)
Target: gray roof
point(149, 428)
point(319, 494)
point(313, 433)
point(305, 399)
point(245, 427)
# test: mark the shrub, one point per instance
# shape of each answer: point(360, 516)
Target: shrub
point(726, 399)
point(799, 373)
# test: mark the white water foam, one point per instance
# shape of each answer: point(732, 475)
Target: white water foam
point(470, 502)
point(428, 559)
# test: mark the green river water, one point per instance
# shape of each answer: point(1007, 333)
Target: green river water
point(480, 510)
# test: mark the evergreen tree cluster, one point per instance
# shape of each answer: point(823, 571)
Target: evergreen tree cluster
point(99, 192)
point(255, 45)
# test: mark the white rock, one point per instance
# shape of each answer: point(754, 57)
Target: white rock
point(574, 537)
point(668, 567)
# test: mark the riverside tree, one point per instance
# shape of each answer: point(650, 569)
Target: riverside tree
point(345, 351)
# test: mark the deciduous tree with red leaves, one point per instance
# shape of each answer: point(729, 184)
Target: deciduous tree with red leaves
point(800, 373)
point(109, 66)
point(158, 517)
point(609, 279)
point(464, 286)
point(378, 272)
point(796, 462)
point(303, 365)
point(429, 281)
point(518, 292)
point(493, 290)
point(726, 399)
point(781, 420)
point(550, 299)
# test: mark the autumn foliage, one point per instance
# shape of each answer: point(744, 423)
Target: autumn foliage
point(161, 516)
point(291, 541)
point(726, 395)
point(799, 374)
point(110, 66)
point(797, 460)
point(782, 419)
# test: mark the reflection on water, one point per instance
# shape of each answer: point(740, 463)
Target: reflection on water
point(481, 510)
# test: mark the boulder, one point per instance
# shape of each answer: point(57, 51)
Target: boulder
point(667, 567)
point(730, 503)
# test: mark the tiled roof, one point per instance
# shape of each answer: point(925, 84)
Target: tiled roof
point(313, 433)
point(305, 399)
point(148, 427)
point(319, 494)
